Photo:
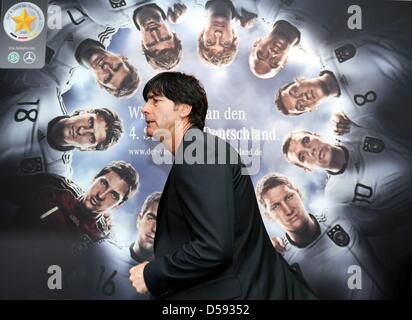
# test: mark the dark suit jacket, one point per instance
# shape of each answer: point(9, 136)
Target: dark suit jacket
point(210, 239)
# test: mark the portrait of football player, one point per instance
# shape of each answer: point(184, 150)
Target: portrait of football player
point(293, 24)
point(79, 43)
point(161, 46)
point(66, 221)
point(322, 247)
point(375, 98)
point(364, 168)
point(42, 135)
point(142, 248)
point(218, 42)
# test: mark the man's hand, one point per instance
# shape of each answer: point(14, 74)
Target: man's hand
point(340, 123)
point(175, 15)
point(279, 245)
point(136, 277)
point(247, 19)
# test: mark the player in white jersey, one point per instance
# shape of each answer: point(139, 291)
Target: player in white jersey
point(161, 46)
point(39, 136)
point(365, 168)
point(309, 23)
point(218, 42)
point(370, 75)
point(293, 23)
point(80, 42)
point(327, 249)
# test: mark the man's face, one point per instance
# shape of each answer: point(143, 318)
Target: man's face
point(303, 96)
point(285, 205)
point(218, 35)
point(105, 193)
point(110, 70)
point(310, 151)
point(85, 130)
point(147, 227)
point(269, 55)
point(161, 115)
point(156, 34)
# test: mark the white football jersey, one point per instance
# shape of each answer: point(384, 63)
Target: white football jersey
point(24, 148)
point(248, 5)
point(119, 13)
point(316, 20)
point(61, 63)
point(378, 173)
point(339, 264)
point(374, 71)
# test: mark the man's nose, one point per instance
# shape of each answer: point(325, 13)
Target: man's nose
point(155, 35)
point(299, 93)
point(275, 51)
point(286, 208)
point(83, 131)
point(107, 66)
point(98, 196)
point(314, 152)
point(145, 108)
point(103, 194)
point(154, 227)
point(218, 34)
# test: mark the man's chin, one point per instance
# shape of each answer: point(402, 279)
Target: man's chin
point(148, 247)
point(91, 208)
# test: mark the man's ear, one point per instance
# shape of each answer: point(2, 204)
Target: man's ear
point(139, 220)
point(124, 58)
point(185, 110)
point(285, 62)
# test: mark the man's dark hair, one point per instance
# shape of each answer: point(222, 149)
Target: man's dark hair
point(281, 105)
point(181, 89)
point(165, 59)
point(151, 199)
point(228, 3)
point(129, 84)
point(113, 123)
point(218, 59)
point(114, 128)
point(126, 172)
point(286, 145)
point(270, 181)
point(288, 30)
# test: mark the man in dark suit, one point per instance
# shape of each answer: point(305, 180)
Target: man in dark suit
point(210, 240)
